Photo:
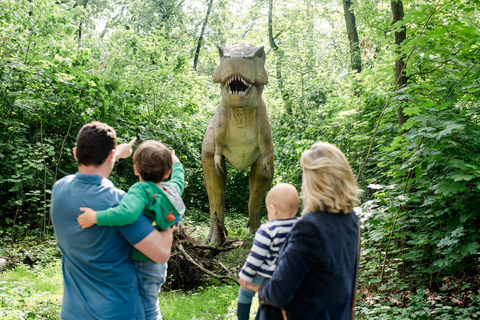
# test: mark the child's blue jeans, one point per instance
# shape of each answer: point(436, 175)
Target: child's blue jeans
point(151, 276)
point(246, 296)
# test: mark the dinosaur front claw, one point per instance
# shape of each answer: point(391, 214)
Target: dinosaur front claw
point(218, 165)
point(265, 167)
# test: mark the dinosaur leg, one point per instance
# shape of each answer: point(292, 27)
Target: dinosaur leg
point(260, 180)
point(215, 184)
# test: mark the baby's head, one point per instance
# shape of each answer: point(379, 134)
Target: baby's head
point(282, 202)
point(152, 161)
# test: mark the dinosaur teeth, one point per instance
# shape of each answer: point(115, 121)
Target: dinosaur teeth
point(236, 88)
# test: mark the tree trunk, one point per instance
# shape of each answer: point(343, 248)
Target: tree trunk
point(279, 59)
point(200, 37)
point(400, 66)
point(80, 26)
point(355, 54)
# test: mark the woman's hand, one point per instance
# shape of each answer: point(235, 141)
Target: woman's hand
point(252, 287)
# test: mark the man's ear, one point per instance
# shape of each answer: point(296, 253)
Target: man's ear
point(167, 174)
point(74, 152)
point(112, 156)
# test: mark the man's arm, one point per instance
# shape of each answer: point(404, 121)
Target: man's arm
point(157, 245)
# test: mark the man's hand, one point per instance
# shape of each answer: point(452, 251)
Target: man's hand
point(88, 218)
point(124, 150)
point(174, 157)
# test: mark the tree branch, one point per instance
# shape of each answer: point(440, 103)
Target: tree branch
point(196, 264)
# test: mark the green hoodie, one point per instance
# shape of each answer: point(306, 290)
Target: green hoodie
point(149, 198)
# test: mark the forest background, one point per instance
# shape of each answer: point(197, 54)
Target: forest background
point(394, 84)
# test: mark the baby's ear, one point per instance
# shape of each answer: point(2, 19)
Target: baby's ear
point(135, 170)
point(168, 174)
point(274, 208)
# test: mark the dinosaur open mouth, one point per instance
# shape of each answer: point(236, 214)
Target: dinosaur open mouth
point(238, 85)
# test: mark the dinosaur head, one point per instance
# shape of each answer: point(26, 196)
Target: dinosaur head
point(242, 75)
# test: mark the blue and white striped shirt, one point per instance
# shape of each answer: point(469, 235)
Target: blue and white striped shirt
point(263, 256)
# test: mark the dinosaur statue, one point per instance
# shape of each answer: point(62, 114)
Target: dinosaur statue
point(239, 132)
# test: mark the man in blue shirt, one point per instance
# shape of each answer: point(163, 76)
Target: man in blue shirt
point(99, 279)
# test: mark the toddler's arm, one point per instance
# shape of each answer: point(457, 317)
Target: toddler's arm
point(127, 211)
point(88, 218)
point(177, 177)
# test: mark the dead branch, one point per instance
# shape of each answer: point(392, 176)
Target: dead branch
point(210, 273)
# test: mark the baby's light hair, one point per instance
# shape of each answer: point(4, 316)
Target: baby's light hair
point(328, 182)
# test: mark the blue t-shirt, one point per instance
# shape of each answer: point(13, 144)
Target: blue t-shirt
point(99, 279)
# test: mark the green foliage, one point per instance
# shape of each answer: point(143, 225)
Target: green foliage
point(50, 86)
point(421, 181)
point(31, 292)
point(423, 305)
point(421, 223)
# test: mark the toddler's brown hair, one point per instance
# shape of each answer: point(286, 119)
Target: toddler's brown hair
point(153, 160)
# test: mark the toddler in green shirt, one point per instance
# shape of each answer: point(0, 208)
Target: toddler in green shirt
point(160, 202)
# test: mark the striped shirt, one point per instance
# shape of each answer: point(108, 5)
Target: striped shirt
point(263, 256)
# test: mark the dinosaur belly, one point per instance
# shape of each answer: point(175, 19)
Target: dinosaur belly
point(242, 149)
point(240, 158)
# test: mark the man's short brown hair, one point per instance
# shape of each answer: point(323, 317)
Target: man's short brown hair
point(95, 141)
point(153, 160)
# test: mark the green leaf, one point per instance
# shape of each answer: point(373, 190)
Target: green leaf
point(447, 241)
point(472, 248)
point(449, 129)
point(447, 187)
point(461, 176)
point(409, 111)
point(460, 164)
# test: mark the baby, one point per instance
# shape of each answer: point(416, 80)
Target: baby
point(282, 204)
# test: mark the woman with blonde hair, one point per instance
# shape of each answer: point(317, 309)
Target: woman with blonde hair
point(317, 265)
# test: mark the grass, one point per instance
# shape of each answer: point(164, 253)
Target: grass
point(204, 303)
point(207, 303)
point(31, 293)
point(36, 292)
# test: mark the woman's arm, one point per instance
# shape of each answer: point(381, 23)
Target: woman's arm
point(294, 263)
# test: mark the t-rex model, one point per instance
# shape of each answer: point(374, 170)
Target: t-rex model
point(239, 132)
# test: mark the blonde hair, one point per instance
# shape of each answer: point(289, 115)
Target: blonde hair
point(328, 183)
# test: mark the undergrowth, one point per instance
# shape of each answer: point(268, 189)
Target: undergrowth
point(33, 288)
